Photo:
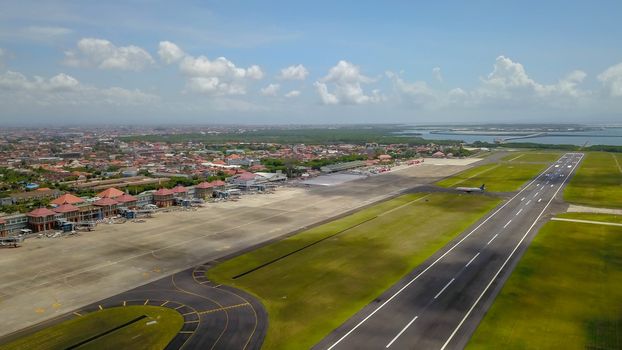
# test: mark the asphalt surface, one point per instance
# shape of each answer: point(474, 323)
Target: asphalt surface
point(215, 316)
point(440, 304)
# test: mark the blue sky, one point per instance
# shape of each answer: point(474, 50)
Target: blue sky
point(314, 62)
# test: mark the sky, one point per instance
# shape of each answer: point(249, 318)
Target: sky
point(314, 62)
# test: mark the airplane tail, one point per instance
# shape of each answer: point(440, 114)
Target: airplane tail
point(483, 187)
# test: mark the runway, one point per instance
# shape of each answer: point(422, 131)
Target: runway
point(439, 304)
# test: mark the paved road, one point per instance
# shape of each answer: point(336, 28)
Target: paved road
point(439, 305)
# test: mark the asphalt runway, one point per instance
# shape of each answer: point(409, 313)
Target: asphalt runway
point(440, 304)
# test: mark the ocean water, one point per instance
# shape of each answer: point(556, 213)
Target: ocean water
point(608, 136)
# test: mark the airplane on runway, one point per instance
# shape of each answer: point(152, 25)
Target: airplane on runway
point(482, 188)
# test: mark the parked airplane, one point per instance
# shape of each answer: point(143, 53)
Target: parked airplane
point(472, 189)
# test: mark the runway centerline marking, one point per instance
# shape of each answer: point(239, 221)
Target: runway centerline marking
point(529, 201)
point(472, 259)
point(453, 334)
point(492, 239)
point(519, 211)
point(434, 262)
point(442, 290)
point(402, 331)
point(539, 200)
point(506, 225)
point(522, 199)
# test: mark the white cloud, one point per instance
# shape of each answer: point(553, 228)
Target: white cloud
point(510, 81)
point(254, 72)
point(612, 80)
point(346, 80)
point(169, 52)
point(298, 72)
point(417, 92)
point(436, 72)
point(212, 77)
point(270, 90)
point(64, 90)
point(103, 54)
point(293, 93)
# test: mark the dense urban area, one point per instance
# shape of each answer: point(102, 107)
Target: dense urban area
point(59, 179)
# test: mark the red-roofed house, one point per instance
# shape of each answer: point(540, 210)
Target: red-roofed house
point(108, 205)
point(69, 211)
point(163, 197)
point(3, 230)
point(67, 198)
point(127, 200)
point(204, 190)
point(41, 219)
point(180, 191)
point(244, 179)
point(110, 193)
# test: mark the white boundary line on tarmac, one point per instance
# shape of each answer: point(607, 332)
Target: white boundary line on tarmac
point(437, 260)
point(508, 258)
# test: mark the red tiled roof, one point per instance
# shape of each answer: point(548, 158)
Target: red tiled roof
point(2, 221)
point(41, 212)
point(66, 208)
point(179, 189)
point(219, 183)
point(163, 192)
point(205, 185)
point(110, 193)
point(247, 176)
point(67, 198)
point(106, 202)
point(126, 198)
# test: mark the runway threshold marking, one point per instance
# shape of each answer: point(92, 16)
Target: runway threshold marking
point(164, 303)
point(472, 259)
point(434, 262)
point(506, 225)
point(146, 301)
point(100, 307)
point(401, 332)
point(492, 239)
point(453, 334)
point(442, 290)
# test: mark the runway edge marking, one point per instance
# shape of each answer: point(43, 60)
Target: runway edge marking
point(436, 261)
point(508, 258)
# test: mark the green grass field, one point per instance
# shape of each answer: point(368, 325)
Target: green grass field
point(502, 177)
point(598, 181)
point(535, 157)
point(564, 293)
point(137, 335)
point(311, 292)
